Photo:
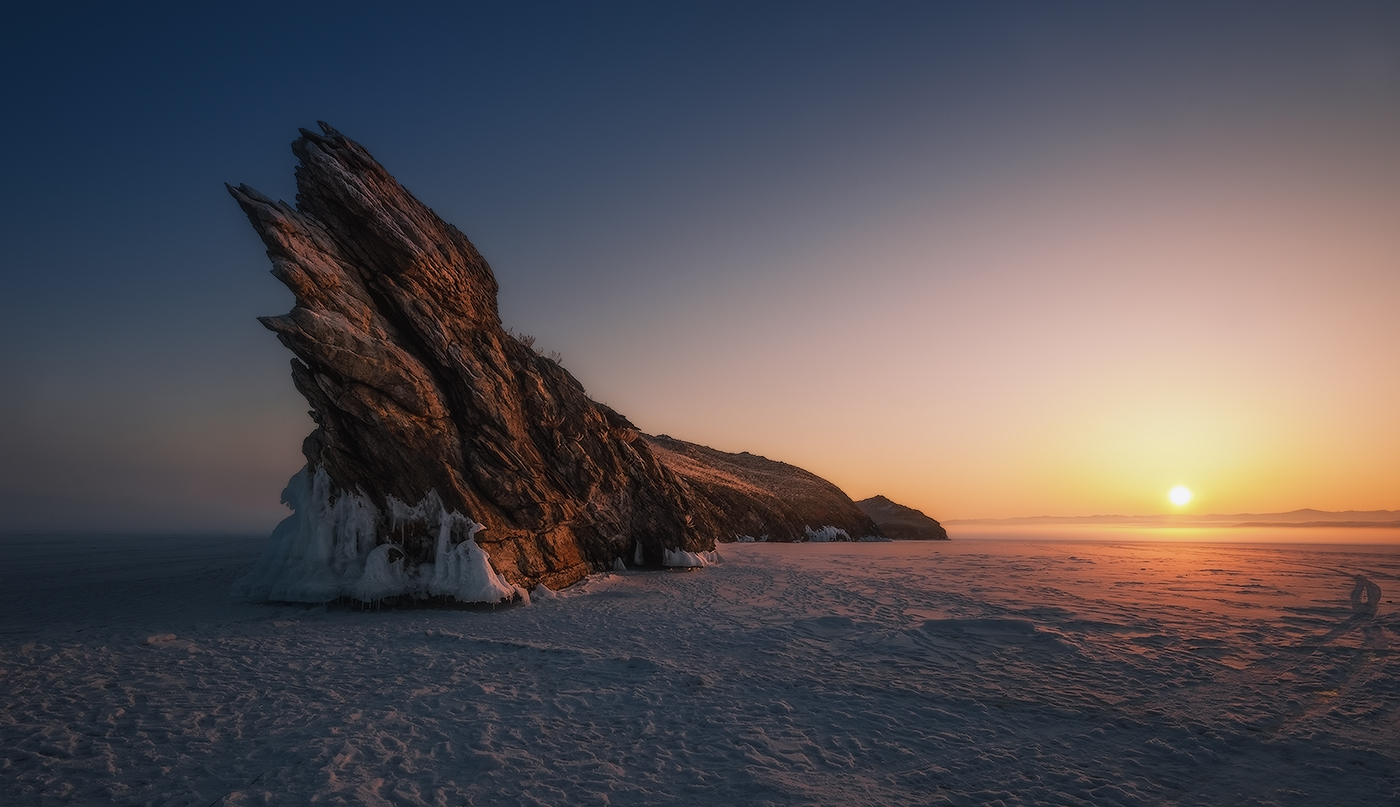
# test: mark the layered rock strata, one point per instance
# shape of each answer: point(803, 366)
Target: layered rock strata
point(421, 396)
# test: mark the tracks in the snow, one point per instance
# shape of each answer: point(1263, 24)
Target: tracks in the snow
point(1365, 595)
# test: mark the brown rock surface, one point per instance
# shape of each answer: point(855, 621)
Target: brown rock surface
point(416, 387)
point(900, 522)
point(755, 496)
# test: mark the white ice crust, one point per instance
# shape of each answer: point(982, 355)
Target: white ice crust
point(830, 534)
point(328, 549)
point(827, 533)
point(680, 558)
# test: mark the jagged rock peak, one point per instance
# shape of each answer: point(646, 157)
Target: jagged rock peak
point(418, 390)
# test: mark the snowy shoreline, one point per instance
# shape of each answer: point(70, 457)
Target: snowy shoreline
point(954, 672)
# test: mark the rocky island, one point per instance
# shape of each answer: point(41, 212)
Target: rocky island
point(450, 460)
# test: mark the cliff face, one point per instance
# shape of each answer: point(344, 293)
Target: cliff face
point(900, 522)
point(754, 496)
point(417, 389)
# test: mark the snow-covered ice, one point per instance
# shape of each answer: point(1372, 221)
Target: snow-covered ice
point(961, 672)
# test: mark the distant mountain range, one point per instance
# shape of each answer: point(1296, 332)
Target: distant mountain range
point(1294, 518)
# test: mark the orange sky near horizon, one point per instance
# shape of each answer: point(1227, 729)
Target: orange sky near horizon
point(1070, 341)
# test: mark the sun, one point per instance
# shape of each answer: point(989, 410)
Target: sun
point(1179, 495)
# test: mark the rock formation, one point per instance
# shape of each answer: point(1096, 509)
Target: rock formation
point(417, 389)
point(760, 498)
point(900, 522)
point(443, 440)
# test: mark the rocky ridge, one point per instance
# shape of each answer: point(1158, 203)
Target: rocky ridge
point(900, 522)
point(755, 497)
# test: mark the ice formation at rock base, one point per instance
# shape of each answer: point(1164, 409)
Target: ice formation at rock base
point(328, 549)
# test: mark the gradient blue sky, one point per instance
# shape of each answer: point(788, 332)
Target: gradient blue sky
point(990, 259)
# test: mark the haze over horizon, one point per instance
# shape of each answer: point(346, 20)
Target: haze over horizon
point(989, 261)
point(1300, 516)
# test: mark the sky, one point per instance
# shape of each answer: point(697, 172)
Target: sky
point(987, 259)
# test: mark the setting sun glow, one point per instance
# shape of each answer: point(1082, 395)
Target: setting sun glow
point(1179, 495)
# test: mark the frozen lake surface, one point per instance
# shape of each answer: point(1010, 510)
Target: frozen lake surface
point(968, 672)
